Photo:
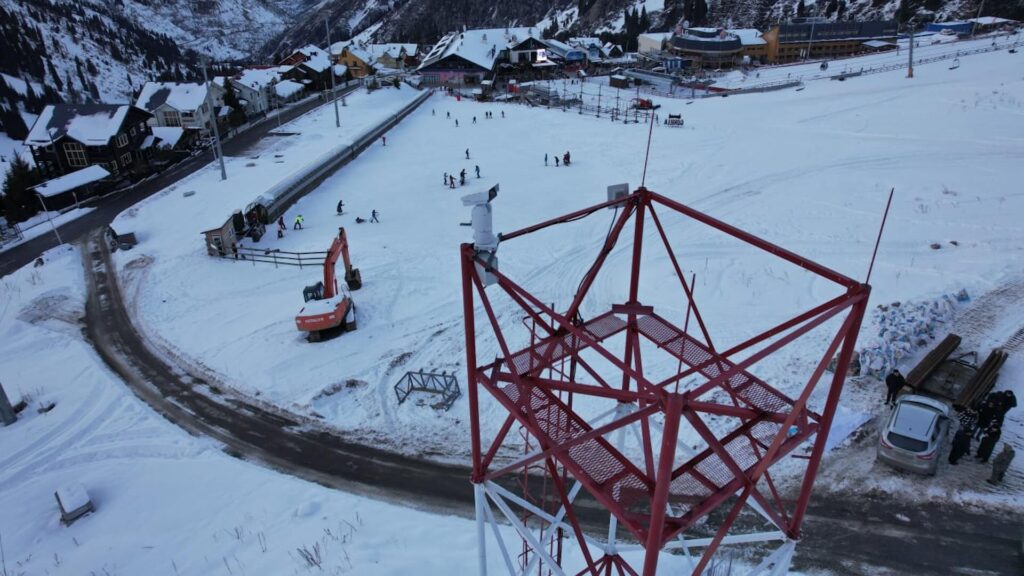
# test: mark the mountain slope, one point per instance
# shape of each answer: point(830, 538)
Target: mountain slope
point(103, 49)
point(425, 21)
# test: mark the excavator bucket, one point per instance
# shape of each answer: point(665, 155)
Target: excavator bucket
point(354, 279)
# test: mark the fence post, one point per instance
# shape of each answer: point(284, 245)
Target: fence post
point(7, 415)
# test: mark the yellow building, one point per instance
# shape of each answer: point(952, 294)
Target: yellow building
point(816, 38)
point(358, 61)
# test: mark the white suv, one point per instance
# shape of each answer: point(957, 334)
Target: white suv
point(915, 434)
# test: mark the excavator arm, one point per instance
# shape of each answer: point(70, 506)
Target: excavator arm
point(339, 248)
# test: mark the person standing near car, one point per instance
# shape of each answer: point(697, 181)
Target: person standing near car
point(961, 445)
point(894, 382)
point(986, 414)
point(988, 442)
point(1001, 463)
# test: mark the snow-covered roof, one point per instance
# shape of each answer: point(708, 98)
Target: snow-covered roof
point(71, 180)
point(393, 50)
point(257, 78)
point(481, 47)
point(586, 42)
point(173, 94)
point(340, 69)
point(657, 36)
point(748, 36)
point(92, 124)
point(287, 88)
point(991, 20)
point(168, 135)
point(316, 58)
point(878, 44)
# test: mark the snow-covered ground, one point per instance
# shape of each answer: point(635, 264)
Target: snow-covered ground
point(166, 502)
point(41, 224)
point(809, 170)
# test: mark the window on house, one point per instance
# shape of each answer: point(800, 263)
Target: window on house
point(122, 140)
point(171, 118)
point(75, 154)
point(126, 159)
point(133, 130)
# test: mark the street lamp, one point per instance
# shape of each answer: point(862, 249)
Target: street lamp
point(330, 67)
point(49, 219)
point(910, 63)
point(216, 131)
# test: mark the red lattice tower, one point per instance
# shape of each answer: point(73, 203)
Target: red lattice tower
point(654, 497)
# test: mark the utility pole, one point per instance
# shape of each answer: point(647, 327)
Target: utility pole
point(213, 121)
point(50, 220)
point(910, 63)
point(809, 40)
point(974, 25)
point(330, 64)
point(7, 415)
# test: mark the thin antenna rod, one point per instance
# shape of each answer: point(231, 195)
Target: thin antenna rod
point(879, 239)
point(647, 154)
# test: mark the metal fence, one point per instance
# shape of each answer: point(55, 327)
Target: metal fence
point(276, 257)
point(9, 233)
point(444, 384)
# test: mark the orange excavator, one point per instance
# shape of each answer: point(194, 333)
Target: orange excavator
point(326, 308)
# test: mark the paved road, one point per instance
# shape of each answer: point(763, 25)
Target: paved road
point(850, 536)
point(108, 208)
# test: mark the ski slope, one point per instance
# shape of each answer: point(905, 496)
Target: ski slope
point(809, 170)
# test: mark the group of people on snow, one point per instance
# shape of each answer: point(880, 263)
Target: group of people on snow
point(566, 158)
point(984, 423)
point(449, 179)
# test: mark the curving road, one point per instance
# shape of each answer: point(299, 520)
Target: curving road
point(860, 536)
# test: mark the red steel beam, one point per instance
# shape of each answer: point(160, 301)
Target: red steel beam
point(679, 273)
point(586, 389)
point(749, 238)
point(723, 494)
point(468, 270)
point(774, 347)
point(592, 272)
point(842, 364)
point(592, 434)
point(507, 284)
point(566, 218)
point(498, 440)
point(570, 514)
point(837, 301)
point(659, 503)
